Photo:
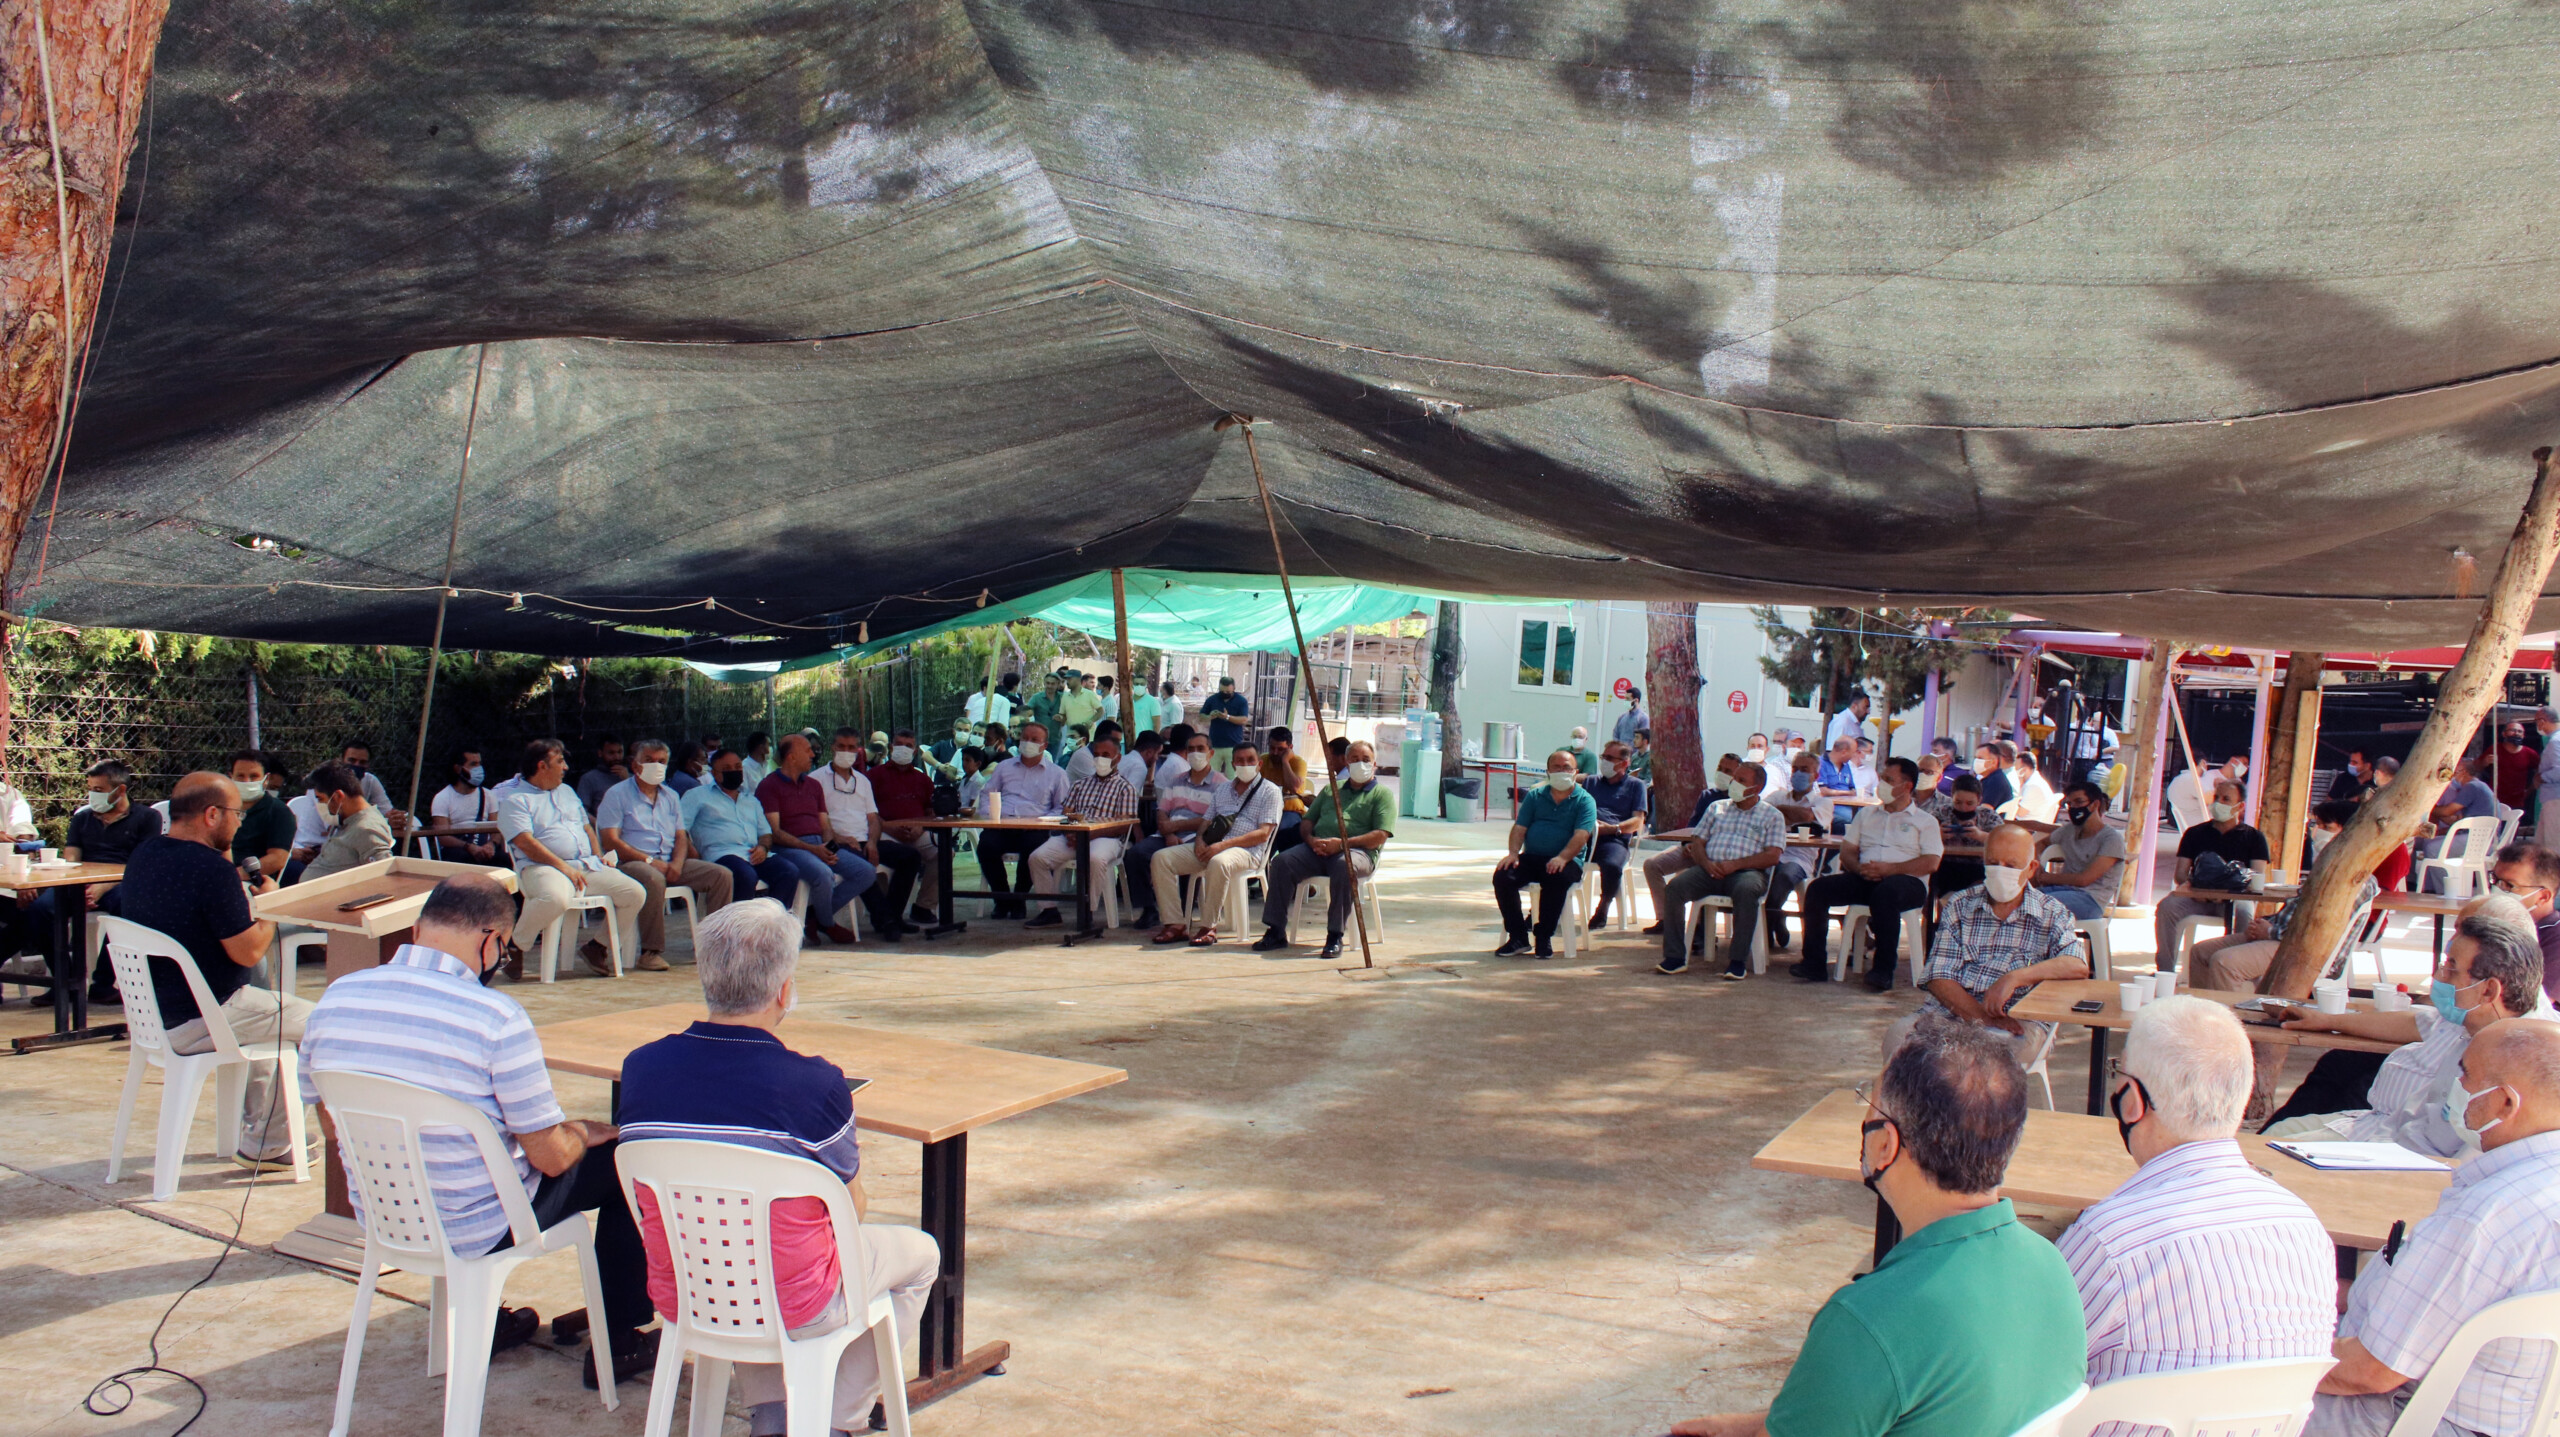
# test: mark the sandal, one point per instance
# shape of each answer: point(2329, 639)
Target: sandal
point(1172, 933)
point(1205, 938)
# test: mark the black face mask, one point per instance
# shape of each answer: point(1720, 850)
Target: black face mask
point(1872, 1178)
point(2080, 813)
point(488, 973)
point(2115, 1105)
point(732, 778)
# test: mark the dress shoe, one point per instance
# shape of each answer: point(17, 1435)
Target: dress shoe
point(1271, 941)
point(1045, 918)
point(630, 1363)
point(1811, 972)
point(1332, 946)
point(838, 933)
point(598, 958)
point(514, 1328)
point(1545, 949)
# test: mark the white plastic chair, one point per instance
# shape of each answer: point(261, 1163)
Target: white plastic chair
point(1622, 917)
point(379, 1121)
point(130, 946)
point(2093, 931)
point(2050, 1424)
point(2463, 858)
point(547, 946)
point(288, 956)
point(1853, 932)
point(692, 901)
point(1239, 904)
point(1701, 913)
point(1576, 923)
point(2270, 1398)
point(1319, 892)
point(2534, 1318)
point(2040, 1067)
point(851, 913)
point(2509, 820)
point(715, 1202)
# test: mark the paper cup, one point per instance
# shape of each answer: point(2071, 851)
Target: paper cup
point(2131, 996)
point(2164, 983)
point(2330, 998)
point(51, 855)
point(994, 803)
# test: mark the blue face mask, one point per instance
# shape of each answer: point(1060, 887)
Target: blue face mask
point(2441, 994)
point(477, 773)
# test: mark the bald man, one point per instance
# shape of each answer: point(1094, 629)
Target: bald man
point(1993, 941)
point(2495, 1234)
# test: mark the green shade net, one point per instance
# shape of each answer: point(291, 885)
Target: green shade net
point(1183, 613)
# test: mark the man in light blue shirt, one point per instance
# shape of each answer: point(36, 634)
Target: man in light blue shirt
point(725, 823)
point(556, 857)
point(1033, 786)
point(641, 822)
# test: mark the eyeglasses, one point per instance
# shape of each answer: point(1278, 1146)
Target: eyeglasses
point(2518, 889)
point(1866, 1095)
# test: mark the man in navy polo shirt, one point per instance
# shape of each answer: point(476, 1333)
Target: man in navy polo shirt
point(731, 1080)
point(1622, 799)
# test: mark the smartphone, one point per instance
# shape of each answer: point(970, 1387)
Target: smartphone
point(370, 899)
point(2088, 1005)
point(855, 1085)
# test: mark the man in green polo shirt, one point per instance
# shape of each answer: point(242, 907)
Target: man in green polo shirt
point(1971, 1326)
point(1342, 847)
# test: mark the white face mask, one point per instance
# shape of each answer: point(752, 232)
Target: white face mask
point(1199, 762)
point(1031, 749)
point(844, 758)
point(902, 753)
point(653, 774)
point(1560, 780)
point(2457, 1111)
point(1360, 771)
point(2004, 884)
point(1102, 767)
point(1756, 753)
point(1612, 767)
point(101, 802)
point(2224, 813)
point(251, 790)
point(2319, 840)
point(1576, 744)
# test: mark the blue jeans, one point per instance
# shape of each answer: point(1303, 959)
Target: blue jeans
point(776, 876)
point(2083, 902)
point(853, 875)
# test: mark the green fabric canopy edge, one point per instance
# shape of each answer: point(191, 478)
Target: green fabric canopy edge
point(1168, 609)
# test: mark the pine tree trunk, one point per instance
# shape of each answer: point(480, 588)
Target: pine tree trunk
point(2281, 815)
point(93, 58)
point(1442, 695)
point(1671, 688)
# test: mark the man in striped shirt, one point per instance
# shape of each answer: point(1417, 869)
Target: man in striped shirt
point(2200, 1259)
point(1101, 797)
point(1994, 942)
point(427, 1018)
point(1736, 846)
point(2495, 1234)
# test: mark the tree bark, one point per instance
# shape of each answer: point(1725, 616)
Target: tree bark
point(2281, 817)
point(1441, 692)
point(2142, 814)
point(2389, 818)
point(1671, 687)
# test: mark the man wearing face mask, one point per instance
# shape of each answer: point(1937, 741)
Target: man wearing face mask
point(1343, 848)
point(1993, 942)
point(726, 824)
point(2238, 963)
point(904, 791)
point(857, 821)
point(2492, 970)
point(358, 833)
point(2085, 853)
point(1578, 744)
point(106, 829)
point(462, 801)
point(2200, 1259)
point(1891, 850)
point(266, 821)
point(1730, 858)
point(1101, 796)
point(1963, 818)
point(1622, 800)
point(1080, 762)
point(1970, 1325)
point(1244, 815)
point(1032, 787)
point(554, 847)
point(1548, 838)
point(490, 1058)
point(2465, 796)
point(1803, 805)
point(641, 821)
point(1186, 792)
point(2222, 833)
point(828, 862)
point(2489, 1239)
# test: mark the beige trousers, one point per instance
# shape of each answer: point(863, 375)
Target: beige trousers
point(1174, 864)
point(900, 1261)
point(257, 1016)
point(709, 881)
point(547, 892)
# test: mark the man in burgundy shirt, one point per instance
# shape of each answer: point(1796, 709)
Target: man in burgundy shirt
point(905, 796)
point(796, 805)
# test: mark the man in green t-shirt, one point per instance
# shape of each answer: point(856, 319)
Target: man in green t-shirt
point(1342, 847)
point(1971, 1326)
point(1550, 836)
point(266, 824)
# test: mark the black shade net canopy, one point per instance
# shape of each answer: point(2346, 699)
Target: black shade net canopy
point(2227, 320)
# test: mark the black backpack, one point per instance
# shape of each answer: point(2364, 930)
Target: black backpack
point(946, 799)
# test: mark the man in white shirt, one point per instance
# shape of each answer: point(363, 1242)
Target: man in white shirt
point(464, 801)
point(641, 822)
point(1849, 723)
point(556, 857)
point(853, 816)
point(1865, 768)
point(2495, 1234)
point(1080, 763)
point(1885, 863)
point(1803, 804)
point(2200, 1260)
point(985, 708)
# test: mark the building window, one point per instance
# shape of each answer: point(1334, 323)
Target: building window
point(1546, 654)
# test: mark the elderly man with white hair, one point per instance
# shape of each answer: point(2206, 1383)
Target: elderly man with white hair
point(2200, 1259)
point(731, 1079)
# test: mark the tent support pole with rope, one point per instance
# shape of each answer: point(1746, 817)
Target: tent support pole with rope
point(444, 591)
point(1332, 780)
point(1120, 640)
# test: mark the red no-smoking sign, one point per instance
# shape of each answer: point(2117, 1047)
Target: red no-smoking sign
point(1737, 701)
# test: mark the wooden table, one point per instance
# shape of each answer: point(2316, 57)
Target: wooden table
point(67, 975)
point(1083, 835)
point(2068, 1160)
point(930, 1090)
point(2050, 1002)
point(2439, 906)
point(423, 839)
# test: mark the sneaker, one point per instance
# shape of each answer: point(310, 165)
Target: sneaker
point(1736, 973)
point(629, 1363)
point(282, 1162)
point(1271, 941)
point(598, 958)
point(1545, 950)
point(1811, 972)
point(1672, 965)
point(922, 916)
point(652, 963)
point(1045, 918)
point(1515, 943)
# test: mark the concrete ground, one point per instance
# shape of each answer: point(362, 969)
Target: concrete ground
point(1458, 1195)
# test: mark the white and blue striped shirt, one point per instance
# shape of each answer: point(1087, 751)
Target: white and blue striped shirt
point(423, 1018)
point(2197, 1261)
point(2495, 1234)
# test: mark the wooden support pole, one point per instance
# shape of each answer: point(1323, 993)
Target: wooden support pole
point(1120, 638)
point(2288, 787)
point(2391, 817)
point(2142, 791)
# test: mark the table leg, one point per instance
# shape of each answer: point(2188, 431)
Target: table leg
point(942, 865)
point(1084, 891)
point(2439, 940)
point(70, 981)
point(2097, 1071)
point(1888, 1231)
point(943, 1364)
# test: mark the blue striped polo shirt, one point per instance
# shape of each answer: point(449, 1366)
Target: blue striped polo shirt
point(424, 1019)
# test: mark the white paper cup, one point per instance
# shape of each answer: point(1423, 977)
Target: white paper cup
point(2389, 1000)
point(2330, 998)
point(993, 802)
point(2131, 996)
point(2164, 983)
point(51, 855)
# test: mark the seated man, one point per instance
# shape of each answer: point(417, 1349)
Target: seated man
point(2223, 833)
point(1891, 851)
point(609, 769)
point(2077, 866)
point(1838, 775)
point(2492, 971)
point(1621, 799)
point(1731, 857)
point(2199, 1260)
point(1031, 785)
point(2238, 963)
point(556, 858)
point(903, 792)
point(690, 768)
point(1865, 771)
point(1281, 765)
point(2531, 876)
point(1994, 940)
point(855, 822)
point(1991, 770)
point(1186, 790)
point(1343, 847)
point(106, 829)
point(2465, 797)
point(358, 833)
point(2036, 802)
point(726, 824)
point(1546, 847)
point(2495, 1234)
point(730, 1079)
point(1578, 744)
point(641, 823)
point(182, 884)
point(486, 1055)
point(1804, 806)
point(462, 800)
point(1080, 758)
point(1247, 808)
point(824, 861)
point(1662, 867)
point(1963, 818)
point(1949, 769)
point(1102, 796)
point(266, 822)
point(1971, 1323)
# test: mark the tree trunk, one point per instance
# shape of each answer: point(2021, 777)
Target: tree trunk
point(1671, 684)
point(2142, 813)
point(1441, 692)
point(71, 76)
point(2281, 816)
point(2390, 817)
